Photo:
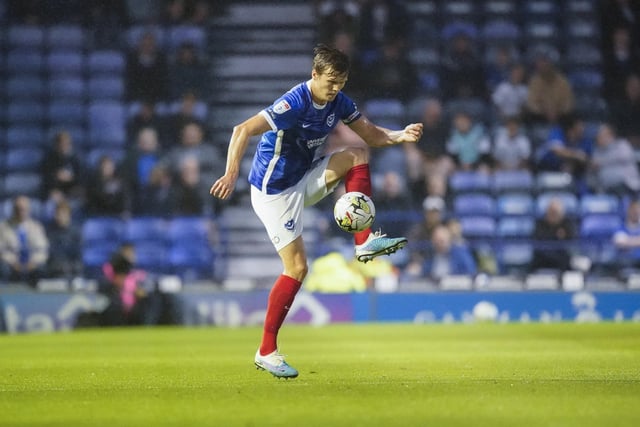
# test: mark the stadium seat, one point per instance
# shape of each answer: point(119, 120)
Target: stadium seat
point(108, 62)
point(500, 9)
point(25, 37)
point(102, 229)
point(600, 226)
point(135, 33)
point(478, 227)
point(107, 124)
point(473, 205)
point(569, 201)
point(515, 204)
point(459, 27)
point(384, 109)
point(67, 88)
point(514, 258)
point(191, 261)
point(152, 257)
point(541, 32)
point(23, 159)
point(181, 34)
point(25, 136)
point(468, 182)
point(27, 87)
point(103, 88)
point(65, 63)
point(26, 113)
point(500, 30)
point(22, 183)
point(459, 10)
point(94, 256)
point(512, 181)
point(591, 204)
point(146, 229)
point(21, 62)
point(554, 181)
point(68, 37)
point(516, 226)
point(583, 54)
point(66, 113)
point(189, 229)
point(540, 9)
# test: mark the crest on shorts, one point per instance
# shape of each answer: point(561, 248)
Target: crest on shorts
point(331, 119)
point(289, 225)
point(281, 107)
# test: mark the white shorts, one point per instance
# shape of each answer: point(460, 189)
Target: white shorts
point(281, 213)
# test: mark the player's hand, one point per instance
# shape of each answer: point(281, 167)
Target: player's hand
point(412, 133)
point(223, 187)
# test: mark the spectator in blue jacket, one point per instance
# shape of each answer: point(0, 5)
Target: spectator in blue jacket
point(447, 258)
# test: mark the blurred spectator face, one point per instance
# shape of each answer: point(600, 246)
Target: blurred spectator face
point(632, 87)
point(633, 212)
point(190, 171)
point(513, 127)
point(148, 140)
point(555, 212)
point(187, 54)
point(516, 76)
point(576, 131)
point(147, 45)
point(63, 143)
point(160, 176)
point(462, 122)
point(175, 9)
point(455, 228)
point(191, 135)
point(188, 104)
point(62, 215)
point(392, 184)
point(201, 12)
point(437, 185)
point(605, 136)
point(147, 111)
point(107, 167)
point(343, 42)
point(21, 208)
point(621, 40)
point(441, 240)
point(461, 44)
point(432, 114)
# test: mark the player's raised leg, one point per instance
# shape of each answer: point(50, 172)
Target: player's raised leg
point(353, 165)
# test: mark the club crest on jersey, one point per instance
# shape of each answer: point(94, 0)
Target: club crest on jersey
point(331, 119)
point(290, 225)
point(281, 107)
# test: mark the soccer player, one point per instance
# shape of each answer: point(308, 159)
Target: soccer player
point(286, 176)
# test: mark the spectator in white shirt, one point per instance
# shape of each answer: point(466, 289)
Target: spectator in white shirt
point(511, 146)
point(510, 96)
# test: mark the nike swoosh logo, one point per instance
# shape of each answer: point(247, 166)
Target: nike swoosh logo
point(306, 125)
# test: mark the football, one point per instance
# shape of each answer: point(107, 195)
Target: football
point(354, 211)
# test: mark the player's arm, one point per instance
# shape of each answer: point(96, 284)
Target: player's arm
point(376, 136)
point(240, 137)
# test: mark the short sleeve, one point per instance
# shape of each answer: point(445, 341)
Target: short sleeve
point(284, 112)
point(349, 110)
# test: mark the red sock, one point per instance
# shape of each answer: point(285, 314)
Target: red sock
point(359, 179)
point(280, 299)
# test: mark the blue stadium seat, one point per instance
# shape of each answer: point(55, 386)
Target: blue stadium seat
point(460, 10)
point(102, 229)
point(146, 229)
point(135, 33)
point(24, 159)
point(554, 181)
point(501, 30)
point(516, 226)
point(108, 62)
point(384, 109)
point(514, 258)
point(67, 88)
point(22, 183)
point(68, 37)
point(192, 260)
point(471, 204)
point(186, 34)
point(65, 63)
point(569, 201)
point(106, 88)
point(26, 136)
point(459, 27)
point(467, 182)
point(95, 255)
point(600, 226)
point(21, 62)
point(583, 54)
point(25, 37)
point(23, 87)
point(541, 32)
point(66, 113)
point(26, 113)
point(515, 204)
point(500, 9)
point(189, 229)
point(152, 257)
point(513, 181)
point(586, 80)
point(540, 9)
point(107, 124)
point(591, 204)
point(478, 227)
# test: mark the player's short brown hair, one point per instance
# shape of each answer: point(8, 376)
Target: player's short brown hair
point(329, 59)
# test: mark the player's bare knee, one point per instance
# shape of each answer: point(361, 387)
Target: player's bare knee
point(298, 271)
point(359, 156)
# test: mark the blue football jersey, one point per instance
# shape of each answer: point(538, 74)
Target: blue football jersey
point(298, 128)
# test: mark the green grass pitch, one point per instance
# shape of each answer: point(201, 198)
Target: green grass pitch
point(350, 375)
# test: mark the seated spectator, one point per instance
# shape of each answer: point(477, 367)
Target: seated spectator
point(428, 158)
point(188, 73)
point(627, 239)
point(357, 84)
point(462, 75)
point(392, 202)
point(156, 197)
point(62, 171)
point(192, 144)
point(468, 143)
point(394, 76)
point(613, 164)
point(382, 20)
point(510, 95)
point(419, 236)
point(567, 149)
point(186, 114)
point(140, 161)
point(65, 258)
point(552, 235)
point(146, 71)
point(336, 17)
point(500, 62)
point(24, 247)
point(446, 258)
point(550, 95)
point(145, 117)
point(188, 191)
point(619, 63)
point(511, 146)
point(108, 195)
point(625, 111)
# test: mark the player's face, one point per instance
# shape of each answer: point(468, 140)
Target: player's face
point(327, 85)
